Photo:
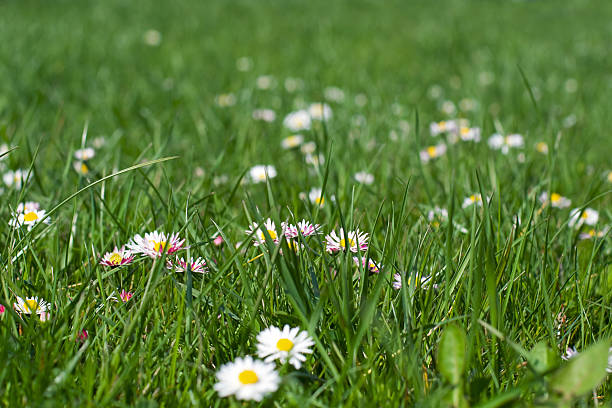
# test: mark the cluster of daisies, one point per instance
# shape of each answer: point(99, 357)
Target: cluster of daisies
point(248, 378)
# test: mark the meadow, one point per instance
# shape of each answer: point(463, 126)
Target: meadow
point(313, 204)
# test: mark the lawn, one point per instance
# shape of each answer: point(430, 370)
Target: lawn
point(420, 190)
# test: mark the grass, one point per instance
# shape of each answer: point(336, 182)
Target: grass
point(505, 299)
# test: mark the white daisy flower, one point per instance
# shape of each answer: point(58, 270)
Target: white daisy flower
point(334, 94)
point(153, 244)
point(29, 215)
point(448, 107)
point(84, 154)
point(3, 149)
point(474, 199)
point(225, 100)
point(98, 142)
point(364, 177)
point(180, 265)
point(357, 241)
point(297, 121)
point(260, 173)
point(117, 257)
point(80, 167)
point(267, 115)
point(316, 196)
point(320, 111)
point(361, 100)
point(15, 178)
point(308, 148)
point(290, 344)
point(259, 236)
point(432, 152)
point(265, 82)
point(578, 217)
point(291, 142)
point(423, 281)
point(556, 200)
point(304, 228)
point(314, 159)
point(367, 263)
point(247, 379)
point(445, 126)
point(504, 143)
point(593, 233)
point(32, 305)
point(468, 104)
point(570, 352)
point(468, 134)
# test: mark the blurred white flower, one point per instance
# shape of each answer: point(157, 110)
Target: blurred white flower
point(266, 115)
point(297, 121)
point(265, 82)
point(260, 173)
point(361, 100)
point(432, 152)
point(504, 143)
point(334, 94)
point(226, 99)
point(293, 84)
point(578, 217)
point(152, 38)
point(244, 64)
point(364, 177)
point(291, 142)
point(320, 111)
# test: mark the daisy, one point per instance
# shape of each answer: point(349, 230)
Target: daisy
point(27, 207)
point(84, 154)
point(117, 257)
point(334, 94)
point(291, 142)
point(504, 143)
point(397, 281)
point(226, 99)
point(315, 160)
point(367, 263)
point(265, 82)
point(556, 200)
point(357, 241)
point(125, 296)
point(153, 244)
point(578, 217)
point(259, 236)
point(293, 84)
point(267, 115)
point(28, 216)
point(361, 100)
point(14, 178)
point(244, 64)
point(316, 196)
point(32, 305)
point(289, 344)
point(81, 167)
point(247, 379)
point(436, 215)
point(304, 228)
point(541, 147)
point(297, 121)
point(364, 177)
point(609, 177)
point(468, 134)
point(432, 152)
point(196, 266)
point(99, 141)
point(570, 352)
point(445, 126)
point(308, 148)
point(474, 199)
point(218, 241)
point(592, 233)
point(448, 107)
point(261, 173)
point(320, 111)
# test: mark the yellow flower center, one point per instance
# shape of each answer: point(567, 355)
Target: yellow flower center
point(270, 232)
point(592, 233)
point(343, 243)
point(554, 197)
point(159, 246)
point(320, 201)
point(284, 345)
point(115, 258)
point(31, 305)
point(30, 217)
point(293, 141)
point(465, 130)
point(436, 224)
point(442, 125)
point(585, 215)
point(431, 151)
point(610, 177)
point(84, 168)
point(248, 377)
point(542, 147)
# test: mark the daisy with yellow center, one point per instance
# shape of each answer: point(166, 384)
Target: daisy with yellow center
point(316, 196)
point(32, 305)
point(247, 379)
point(468, 134)
point(579, 217)
point(556, 200)
point(15, 178)
point(367, 263)
point(288, 344)
point(225, 100)
point(505, 143)
point(28, 214)
point(593, 233)
point(435, 128)
point(320, 111)
point(297, 121)
point(81, 167)
point(154, 244)
point(84, 154)
point(259, 237)
point(117, 257)
point(474, 199)
point(353, 241)
point(260, 173)
point(432, 152)
point(291, 142)
point(609, 176)
point(542, 147)
point(195, 265)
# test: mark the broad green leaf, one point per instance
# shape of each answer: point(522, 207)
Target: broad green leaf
point(451, 354)
point(542, 358)
point(583, 372)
